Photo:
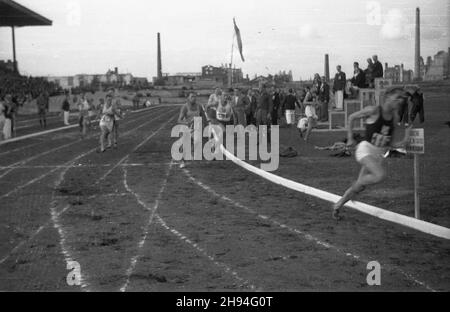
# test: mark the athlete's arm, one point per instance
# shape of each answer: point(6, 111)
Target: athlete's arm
point(182, 116)
point(364, 113)
point(405, 140)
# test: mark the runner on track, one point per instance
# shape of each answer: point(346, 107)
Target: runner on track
point(106, 123)
point(187, 113)
point(380, 128)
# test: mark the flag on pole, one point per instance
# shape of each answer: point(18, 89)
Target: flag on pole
point(239, 39)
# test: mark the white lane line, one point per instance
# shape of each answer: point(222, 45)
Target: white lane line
point(32, 135)
point(136, 148)
point(19, 148)
point(86, 166)
point(68, 166)
point(144, 234)
point(22, 162)
point(227, 269)
point(302, 234)
point(42, 140)
point(25, 161)
point(69, 163)
point(180, 236)
point(419, 225)
point(57, 225)
point(32, 236)
point(29, 136)
point(55, 218)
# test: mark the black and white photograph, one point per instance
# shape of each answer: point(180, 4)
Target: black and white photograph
point(243, 147)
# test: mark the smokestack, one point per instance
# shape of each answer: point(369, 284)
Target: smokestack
point(327, 67)
point(116, 70)
point(159, 58)
point(417, 74)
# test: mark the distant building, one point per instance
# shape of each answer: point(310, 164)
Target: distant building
point(7, 66)
point(221, 74)
point(112, 77)
point(398, 74)
point(437, 68)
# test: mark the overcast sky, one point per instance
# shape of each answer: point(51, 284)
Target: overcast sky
point(90, 36)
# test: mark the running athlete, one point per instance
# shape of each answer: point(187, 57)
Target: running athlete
point(211, 107)
point(83, 108)
point(188, 112)
point(106, 123)
point(224, 112)
point(380, 128)
point(310, 121)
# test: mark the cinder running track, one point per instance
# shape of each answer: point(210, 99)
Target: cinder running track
point(134, 221)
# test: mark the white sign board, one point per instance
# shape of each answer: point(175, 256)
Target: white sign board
point(416, 143)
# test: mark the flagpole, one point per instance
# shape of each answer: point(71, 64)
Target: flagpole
point(231, 63)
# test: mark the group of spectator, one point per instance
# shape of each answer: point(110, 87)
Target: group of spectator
point(26, 87)
point(266, 106)
point(342, 88)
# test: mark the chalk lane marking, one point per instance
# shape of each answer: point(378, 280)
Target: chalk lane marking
point(419, 225)
point(152, 211)
point(136, 148)
point(28, 136)
point(27, 160)
point(69, 164)
point(302, 234)
point(55, 218)
point(41, 140)
point(32, 236)
point(88, 166)
point(180, 236)
point(227, 269)
point(68, 257)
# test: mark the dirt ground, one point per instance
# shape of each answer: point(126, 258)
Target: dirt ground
point(135, 221)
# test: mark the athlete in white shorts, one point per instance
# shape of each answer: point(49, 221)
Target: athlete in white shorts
point(188, 112)
point(380, 127)
point(309, 122)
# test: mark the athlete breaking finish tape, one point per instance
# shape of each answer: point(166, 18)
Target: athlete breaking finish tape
point(380, 128)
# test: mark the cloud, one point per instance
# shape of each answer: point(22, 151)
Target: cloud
point(394, 25)
point(308, 31)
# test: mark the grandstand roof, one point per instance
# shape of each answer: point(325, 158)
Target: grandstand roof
point(14, 14)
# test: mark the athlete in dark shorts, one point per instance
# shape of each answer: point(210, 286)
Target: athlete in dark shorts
point(380, 128)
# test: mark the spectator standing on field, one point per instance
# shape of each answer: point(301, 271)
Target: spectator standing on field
point(369, 73)
point(250, 108)
point(339, 84)
point(264, 108)
point(378, 71)
point(239, 104)
point(66, 109)
point(289, 105)
point(324, 99)
point(276, 105)
point(358, 81)
point(317, 83)
point(83, 118)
